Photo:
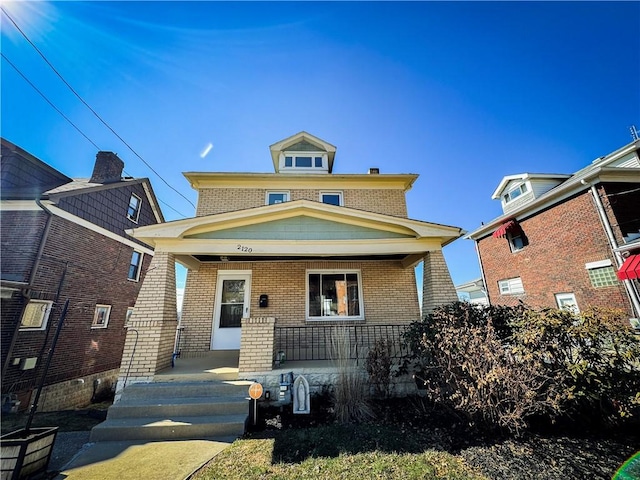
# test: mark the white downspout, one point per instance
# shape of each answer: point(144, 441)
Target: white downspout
point(633, 295)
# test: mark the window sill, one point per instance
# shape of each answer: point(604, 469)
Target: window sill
point(335, 318)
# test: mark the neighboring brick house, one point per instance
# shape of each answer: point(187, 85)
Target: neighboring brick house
point(567, 241)
point(62, 239)
point(301, 248)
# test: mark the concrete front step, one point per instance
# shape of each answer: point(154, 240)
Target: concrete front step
point(185, 389)
point(170, 410)
point(184, 407)
point(161, 428)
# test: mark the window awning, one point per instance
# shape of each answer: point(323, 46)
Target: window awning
point(509, 226)
point(630, 269)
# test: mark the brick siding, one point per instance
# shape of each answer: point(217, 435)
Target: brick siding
point(389, 294)
point(561, 240)
point(220, 200)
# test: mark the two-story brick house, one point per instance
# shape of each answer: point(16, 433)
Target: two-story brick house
point(567, 241)
point(300, 248)
point(62, 239)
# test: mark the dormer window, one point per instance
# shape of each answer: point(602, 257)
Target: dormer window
point(515, 193)
point(304, 162)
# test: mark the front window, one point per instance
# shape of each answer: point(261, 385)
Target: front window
point(334, 295)
point(101, 316)
point(307, 161)
point(331, 198)
point(36, 315)
point(134, 266)
point(277, 197)
point(133, 211)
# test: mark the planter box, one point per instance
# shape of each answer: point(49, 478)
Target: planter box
point(22, 456)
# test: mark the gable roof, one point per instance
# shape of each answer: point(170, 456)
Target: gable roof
point(302, 140)
point(23, 176)
point(615, 167)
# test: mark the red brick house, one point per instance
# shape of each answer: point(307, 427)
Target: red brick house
point(62, 239)
point(566, 241)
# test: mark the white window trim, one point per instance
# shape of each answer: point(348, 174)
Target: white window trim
point(332, 192)
point(599, 264)
point(570, 296)
point(511, 244)
point(332, 318)
point(137, 279)
point(45, 317)
point(506, 197)
point(514, 286)
point(312, 168)
point(134, 220)
point(287, 193)
point(95, 316)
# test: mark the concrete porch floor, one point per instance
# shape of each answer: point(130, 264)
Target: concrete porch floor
point(223, 365)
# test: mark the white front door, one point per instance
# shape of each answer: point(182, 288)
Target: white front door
point(233, 295)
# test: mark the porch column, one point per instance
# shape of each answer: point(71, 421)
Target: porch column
point(437, 286)
point(256, 344)
point(151, 330)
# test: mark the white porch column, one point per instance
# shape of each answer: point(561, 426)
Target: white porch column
point(151, 330)
point(437, 286)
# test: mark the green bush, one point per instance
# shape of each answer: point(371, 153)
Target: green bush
point(501, 366)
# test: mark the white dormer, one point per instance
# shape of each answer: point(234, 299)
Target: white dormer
point(302, 153)
point(516, 190)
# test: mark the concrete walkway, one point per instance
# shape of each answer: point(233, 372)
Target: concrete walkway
point(170, 460)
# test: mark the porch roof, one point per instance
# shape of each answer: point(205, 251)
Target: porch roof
point(285, 231)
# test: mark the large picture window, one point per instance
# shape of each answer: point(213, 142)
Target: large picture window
point(334, 294)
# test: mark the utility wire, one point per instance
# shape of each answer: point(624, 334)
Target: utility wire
point(72, 124)
point(49, 101)
point(91, 109)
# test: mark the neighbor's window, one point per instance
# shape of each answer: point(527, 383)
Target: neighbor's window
point(516, 240)
point(331, 198)
point(36, 315)
point(333, 293)
point(511, 286)
point(135, 266)
point(133, 211)
point(567, 301)
point(101, 316)
point(603, 276)
point(277, 197)
point(515, 193)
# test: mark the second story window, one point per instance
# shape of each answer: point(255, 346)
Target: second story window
point(133, 211)
point(35, 315)
point(277, 197)
point(517, 240)
point(135, 266)
point(331, 198)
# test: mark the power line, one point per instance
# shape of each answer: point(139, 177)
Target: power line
point(49, 101)
point(68, 120)
point(89, 107)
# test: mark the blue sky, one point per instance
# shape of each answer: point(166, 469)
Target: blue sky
point(460, 93)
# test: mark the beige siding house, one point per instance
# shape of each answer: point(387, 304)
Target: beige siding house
point(275, 259)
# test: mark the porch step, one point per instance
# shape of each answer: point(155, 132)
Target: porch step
point(161, 428)
point(170, 410)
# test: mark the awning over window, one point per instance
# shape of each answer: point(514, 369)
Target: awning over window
point(630, 269)
point(509, 226)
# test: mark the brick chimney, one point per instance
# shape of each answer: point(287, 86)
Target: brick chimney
point(108, 168)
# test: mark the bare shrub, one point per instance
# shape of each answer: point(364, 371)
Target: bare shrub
point(349, 392)
point(379, 365)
